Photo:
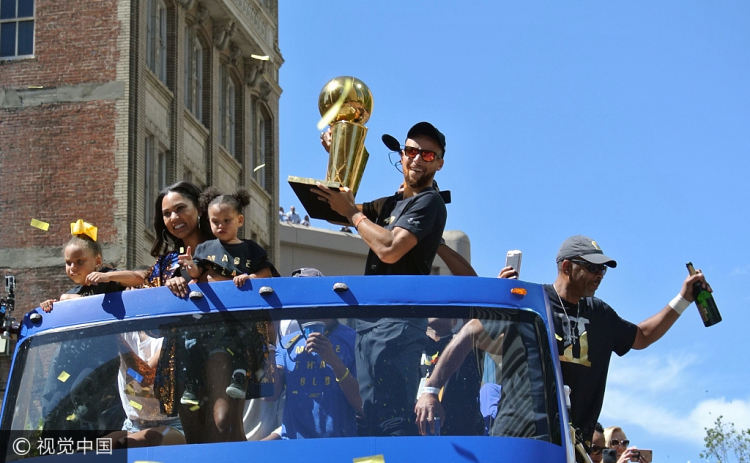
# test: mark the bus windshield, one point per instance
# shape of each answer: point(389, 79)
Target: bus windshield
point(255, 375)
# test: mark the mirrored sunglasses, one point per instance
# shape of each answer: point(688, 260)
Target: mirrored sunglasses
point(426, 155)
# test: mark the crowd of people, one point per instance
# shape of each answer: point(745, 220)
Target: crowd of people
point(374, 381)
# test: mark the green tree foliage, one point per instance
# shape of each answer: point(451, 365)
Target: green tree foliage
point(724, 444)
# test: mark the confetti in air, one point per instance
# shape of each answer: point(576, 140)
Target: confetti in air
point(39, 224)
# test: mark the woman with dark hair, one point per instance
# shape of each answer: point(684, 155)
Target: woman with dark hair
point(179, 223)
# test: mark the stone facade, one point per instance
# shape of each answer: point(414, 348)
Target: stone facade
point(103, 116)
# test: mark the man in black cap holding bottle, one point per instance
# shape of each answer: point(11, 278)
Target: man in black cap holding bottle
point(403, 233)
point(588, 330)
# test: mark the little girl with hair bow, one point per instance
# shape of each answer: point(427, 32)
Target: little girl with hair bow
point(83, 264)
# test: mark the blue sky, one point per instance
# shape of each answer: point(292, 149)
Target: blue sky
point(623, 121)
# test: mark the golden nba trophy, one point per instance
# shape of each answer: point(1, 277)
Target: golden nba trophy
point(351, 101)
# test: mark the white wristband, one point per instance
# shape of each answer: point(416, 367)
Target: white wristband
point(430, 390)
point(679, 304)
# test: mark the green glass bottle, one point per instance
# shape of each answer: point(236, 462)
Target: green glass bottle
point(704, 300)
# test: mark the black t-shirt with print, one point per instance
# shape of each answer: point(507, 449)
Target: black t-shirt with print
point(230, 260)
point(587, 334)
point(424, 215)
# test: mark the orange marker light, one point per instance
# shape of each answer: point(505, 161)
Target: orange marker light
point(518, 291)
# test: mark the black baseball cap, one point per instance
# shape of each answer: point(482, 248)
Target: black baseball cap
point(421, 128)
point(585, 248)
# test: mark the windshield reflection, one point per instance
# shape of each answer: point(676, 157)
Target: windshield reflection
point(241, 376)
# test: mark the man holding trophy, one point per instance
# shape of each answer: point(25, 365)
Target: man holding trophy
point(405, 240)
point(403, 234)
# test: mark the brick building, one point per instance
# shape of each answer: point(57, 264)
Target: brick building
point(104, 103)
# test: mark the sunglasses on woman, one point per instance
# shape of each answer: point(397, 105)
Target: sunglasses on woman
point(412, 152)
point(619, 443)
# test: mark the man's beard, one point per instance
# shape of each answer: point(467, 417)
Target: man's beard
point(422, 182)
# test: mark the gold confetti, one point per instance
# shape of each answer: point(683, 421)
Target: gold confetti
point(260, 57)
point(63, 376)
point(259, 168)
point(230, 352)
point(136, 405)
point(182, 250)
point(334, 110)
point(195, 408)
point(372, 459)
point(35, 87)
point(39, 224)
point(71, 417)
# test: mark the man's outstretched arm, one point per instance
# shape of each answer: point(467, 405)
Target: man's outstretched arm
point(654, 327)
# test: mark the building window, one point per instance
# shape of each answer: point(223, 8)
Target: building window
point(193, 73)
point(264, 152)
point(16, 28)
point(227, 112)
point(156, 55)
point(156, 178)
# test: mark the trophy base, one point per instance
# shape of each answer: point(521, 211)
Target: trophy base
point(315, 208)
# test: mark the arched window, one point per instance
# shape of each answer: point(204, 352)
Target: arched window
point(227, 111)
point(156, 55)
point(263, 158)
point(155, 177)
point(193, 73)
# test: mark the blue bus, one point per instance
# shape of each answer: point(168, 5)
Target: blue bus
point(74, 370)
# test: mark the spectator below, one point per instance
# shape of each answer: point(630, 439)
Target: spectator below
point(292, 217)
point(306, 221)
point(282, 215)
point(598, 443)
point(317, 367)
point(615, 438)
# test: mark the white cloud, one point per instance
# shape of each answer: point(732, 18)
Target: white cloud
point(650, 373)
point(741, 270)
point(733, 411)
point(661, 395)
point(685, 424)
